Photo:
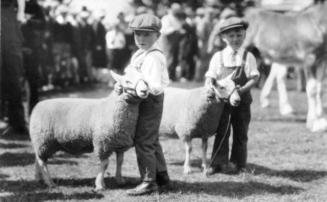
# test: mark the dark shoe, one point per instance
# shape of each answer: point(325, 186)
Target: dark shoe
point(163, 181)
point(216, 169)
point(143, 188)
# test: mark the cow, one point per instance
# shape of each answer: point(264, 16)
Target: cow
point(297, 39)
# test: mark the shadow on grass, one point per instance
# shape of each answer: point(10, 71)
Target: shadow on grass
point(279, 118)
point(233, 189)
point(12, 145)
point(89, 182)
point(296, 175)
point(42, 196)
point(3, 176)
point(22, 159)
point(196, 163)
point(16, 159)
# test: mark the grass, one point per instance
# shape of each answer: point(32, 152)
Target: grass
point(286, 163)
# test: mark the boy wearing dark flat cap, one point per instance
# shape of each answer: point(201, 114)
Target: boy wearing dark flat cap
point(150, 61)
point(233, 59)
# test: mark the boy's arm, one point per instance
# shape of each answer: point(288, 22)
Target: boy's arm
point(21, 11)
point(248, 85)
point(252, 74)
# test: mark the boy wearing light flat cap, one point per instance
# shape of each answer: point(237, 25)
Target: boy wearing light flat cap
point(233, 59)
point(150, 61)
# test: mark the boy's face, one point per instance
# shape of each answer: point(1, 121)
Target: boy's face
point(145, 39)
point(234, 37)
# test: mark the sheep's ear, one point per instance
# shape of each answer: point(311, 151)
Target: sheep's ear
point(117, 77)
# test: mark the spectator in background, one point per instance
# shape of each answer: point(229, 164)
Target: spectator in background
point(116, 43)
point(99, 57)
point(171, 32)
point(85, 46)
point(33, 32)
point(62, 45)
point(204, 28)
point(188, 46)
point(12, 66)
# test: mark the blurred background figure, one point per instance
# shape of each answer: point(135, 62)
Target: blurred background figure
point(12, 110)
point(205, 25)
point(33, 32)
point(171, 33)
point(99, 56)
point(87, 39)
point(116, 43)
point(188, 47)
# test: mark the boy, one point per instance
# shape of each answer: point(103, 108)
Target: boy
point(233, 59)
point(151, 63)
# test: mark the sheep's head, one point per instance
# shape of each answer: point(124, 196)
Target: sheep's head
point(225, 89)
point(133, 83)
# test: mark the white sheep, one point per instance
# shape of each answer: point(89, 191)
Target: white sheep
point(76, 126)
point(189, 114)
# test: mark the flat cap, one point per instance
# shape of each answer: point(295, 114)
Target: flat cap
point(145, 22)
point(232, 23)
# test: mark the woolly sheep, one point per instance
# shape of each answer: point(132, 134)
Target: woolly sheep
point(76, 126)
point(195, 116)
point(190, 113)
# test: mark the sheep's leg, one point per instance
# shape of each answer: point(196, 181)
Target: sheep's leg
point(119, 178)
point(188, 150)
point(45, 172)
point(38, 173)
point(204, 155)
point(99, 181)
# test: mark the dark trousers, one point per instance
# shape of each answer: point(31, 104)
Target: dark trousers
point(11, 68)
point(149, 153)
point(31, 64)
point(237, 118)
point(172, 53)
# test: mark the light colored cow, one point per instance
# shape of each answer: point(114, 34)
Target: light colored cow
point(297, 39)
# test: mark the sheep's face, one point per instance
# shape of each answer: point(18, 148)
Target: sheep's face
point(133, 84)
point(226, 89)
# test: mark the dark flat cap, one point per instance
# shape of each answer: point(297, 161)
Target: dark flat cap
point(145, 22)
point(232, 23)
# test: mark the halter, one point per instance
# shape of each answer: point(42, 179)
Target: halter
point(133, 89)
point(226, 99)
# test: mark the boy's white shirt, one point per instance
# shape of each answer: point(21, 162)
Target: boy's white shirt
point(215, 68)
point(153, 68)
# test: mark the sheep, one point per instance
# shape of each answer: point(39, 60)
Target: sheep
point(191, 113)
point(77, 126)
point(195, 116)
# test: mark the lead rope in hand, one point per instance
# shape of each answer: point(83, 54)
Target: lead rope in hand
point(221, 142)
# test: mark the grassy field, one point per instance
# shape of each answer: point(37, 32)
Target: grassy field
point(286, 163)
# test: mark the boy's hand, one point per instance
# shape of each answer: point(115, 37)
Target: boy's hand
point(118, 88)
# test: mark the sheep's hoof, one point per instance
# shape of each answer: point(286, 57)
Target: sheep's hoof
point(120, 181)
point(187, 170)
point(99, 189)
point(51, 185)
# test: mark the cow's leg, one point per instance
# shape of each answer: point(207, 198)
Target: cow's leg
point(43, 168)
point(311, 94)
point(284, 106)
point(99, 181)
point(267, 87)
point(119, 159)
point(315, 118)
point(204, 155)
point(188, 150)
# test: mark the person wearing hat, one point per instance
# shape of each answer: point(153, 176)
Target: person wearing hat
point(236, 60)
point(150, 61)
